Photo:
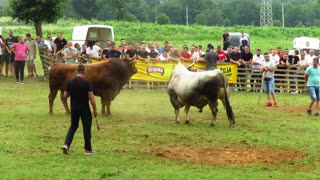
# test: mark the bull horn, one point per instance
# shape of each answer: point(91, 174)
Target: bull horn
point(190, 66)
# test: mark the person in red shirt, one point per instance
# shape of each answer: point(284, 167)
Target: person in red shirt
point(221, 54)
point(185, 55)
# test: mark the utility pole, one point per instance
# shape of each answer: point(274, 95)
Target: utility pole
point(155, 11)
point(266, 13)
point(187, 23)
point(282, 15)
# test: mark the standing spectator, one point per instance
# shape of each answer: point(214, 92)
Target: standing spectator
point(226, 40)
point(11, 54)
point(293, 64)
point(130, 53)
point(31, 66)
point(123, 44)
point(211, 58)
point(243, 41)
point(50, 40)
point(274, 56)
point(150, 45)
point(92, 52)
point(59, 44)
point(21, 51)
point(185, 54)
point(80, 91)
point(194, 53)
point(310, 57)
point(257, 61)
point(279, 52)
point(142, 54)
point(302, 65)
point(164, 56)
point(268, 69)
point(70, 54)
point(153, 55)
point(228, 54)
point(112, 52)
point(2, 54)
point(174, 55)
point(312, 76)
point(235, 58)
point(83, 55)
point(283, 65)
point(246, 56)
point(158, 47)
point(201, 53)
point(221, 54)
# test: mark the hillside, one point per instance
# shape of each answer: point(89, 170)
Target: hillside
point(263, 38)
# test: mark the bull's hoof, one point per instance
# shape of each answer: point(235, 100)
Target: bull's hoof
point(187, 122)
point(50, 113)
point(231, 125)
point(177, 122)
point(108, 115)
point(212, 124)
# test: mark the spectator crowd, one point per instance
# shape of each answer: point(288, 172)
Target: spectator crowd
point(61, 50)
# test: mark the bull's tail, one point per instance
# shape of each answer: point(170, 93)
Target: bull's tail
point(227, 102)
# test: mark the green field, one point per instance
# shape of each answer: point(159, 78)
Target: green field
point(141, 140)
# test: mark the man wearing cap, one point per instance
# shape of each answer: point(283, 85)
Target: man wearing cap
point(80, 91)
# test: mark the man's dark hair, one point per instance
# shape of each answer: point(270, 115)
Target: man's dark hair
point(266, 53)
point(210, 46)
point(81, 68)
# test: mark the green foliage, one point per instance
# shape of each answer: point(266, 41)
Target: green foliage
point(85, 8)
point(163, 19)
point(36, 12)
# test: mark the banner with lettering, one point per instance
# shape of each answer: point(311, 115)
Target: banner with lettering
point(161, 71)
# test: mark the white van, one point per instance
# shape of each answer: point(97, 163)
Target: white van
point(85, 33)
point(306, 44)
point(235, 37)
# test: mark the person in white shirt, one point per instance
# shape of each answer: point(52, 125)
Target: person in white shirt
point(310, 57)
point(274, 57)
point(256, 76)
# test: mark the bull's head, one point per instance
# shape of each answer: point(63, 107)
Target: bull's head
point(131, 63)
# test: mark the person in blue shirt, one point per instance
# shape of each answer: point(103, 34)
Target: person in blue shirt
point(312, 76)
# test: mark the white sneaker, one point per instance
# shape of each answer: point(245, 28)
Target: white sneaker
point(90, 152)
point(65, 149)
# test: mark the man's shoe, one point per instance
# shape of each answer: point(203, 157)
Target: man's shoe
point(87, 152)
point(275, 104)
point(316, 114)
point(22, 82)
point(268, 104)
point(65, 149)
point(309, 112)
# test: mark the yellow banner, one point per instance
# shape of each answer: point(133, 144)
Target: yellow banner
point(161, 71)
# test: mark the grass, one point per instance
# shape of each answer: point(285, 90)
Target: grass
point(141, 122)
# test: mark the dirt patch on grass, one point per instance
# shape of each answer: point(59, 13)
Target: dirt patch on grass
point(229, 155)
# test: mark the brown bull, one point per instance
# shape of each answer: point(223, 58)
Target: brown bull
point(107, 79)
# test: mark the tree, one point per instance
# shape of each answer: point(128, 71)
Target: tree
point(36, 12)
point(85, 9)
point(163, 19)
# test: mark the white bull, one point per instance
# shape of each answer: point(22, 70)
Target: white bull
point(198, 89)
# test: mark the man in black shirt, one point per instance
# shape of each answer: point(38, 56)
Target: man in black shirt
point(59, 44)
point(235, 58)
point(80, 91)
point(111, 52)
point(11, 54)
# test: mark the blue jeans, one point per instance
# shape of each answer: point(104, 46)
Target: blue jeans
point(314, 92)
point(268, 85)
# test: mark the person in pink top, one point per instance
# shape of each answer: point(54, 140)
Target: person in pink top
point(21, 50)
